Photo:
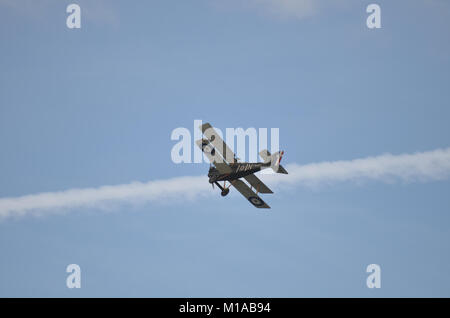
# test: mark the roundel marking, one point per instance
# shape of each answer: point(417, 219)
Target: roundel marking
point(209, 149)
point(256, 201)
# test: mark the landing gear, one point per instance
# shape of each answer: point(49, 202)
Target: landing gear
point(225, 190)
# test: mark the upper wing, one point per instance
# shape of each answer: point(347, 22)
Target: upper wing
point(249, 194)
point(221, 166)
point(257, 184)
point(218, 143)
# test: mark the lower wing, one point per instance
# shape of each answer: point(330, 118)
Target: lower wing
point(256, 183)
point(248, 193)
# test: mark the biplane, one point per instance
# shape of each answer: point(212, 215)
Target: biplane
point(225, 167)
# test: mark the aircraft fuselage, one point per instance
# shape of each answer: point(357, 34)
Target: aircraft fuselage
point(239, 170)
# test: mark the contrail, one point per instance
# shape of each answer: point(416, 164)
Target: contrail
point(106, 196)
point(417, 167)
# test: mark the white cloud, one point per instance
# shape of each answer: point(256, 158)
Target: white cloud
point(417, 167)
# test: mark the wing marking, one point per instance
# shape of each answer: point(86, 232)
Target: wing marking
point(218, 143)
point(251, 196)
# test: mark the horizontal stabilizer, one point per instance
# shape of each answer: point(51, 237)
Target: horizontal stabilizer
point(274, 160)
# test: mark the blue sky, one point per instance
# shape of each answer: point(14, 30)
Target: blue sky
point(96, 106)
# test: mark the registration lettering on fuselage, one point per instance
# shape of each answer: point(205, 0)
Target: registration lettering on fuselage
point(245, 167)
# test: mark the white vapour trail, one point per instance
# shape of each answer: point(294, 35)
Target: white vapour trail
point(423, 166)
point(417, 167)
point(105, 196)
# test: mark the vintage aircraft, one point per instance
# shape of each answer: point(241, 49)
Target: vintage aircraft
point(227, 168)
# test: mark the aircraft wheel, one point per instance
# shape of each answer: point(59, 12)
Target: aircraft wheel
point(225, 192)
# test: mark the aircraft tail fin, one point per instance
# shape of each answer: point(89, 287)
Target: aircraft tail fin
point(274, 160)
